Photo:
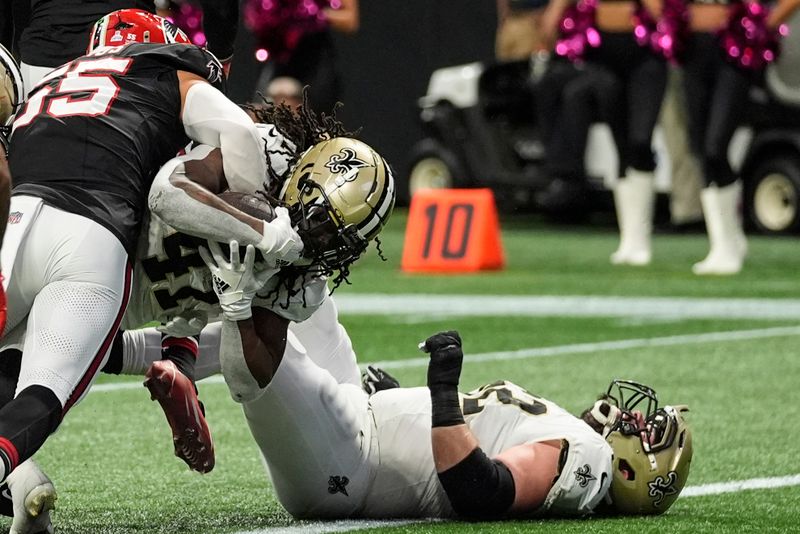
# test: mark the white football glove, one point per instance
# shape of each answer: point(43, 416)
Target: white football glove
point(235, 283)
point(280, 243)
point(185, 326)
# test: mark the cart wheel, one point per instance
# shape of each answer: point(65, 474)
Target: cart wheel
point(773, 199)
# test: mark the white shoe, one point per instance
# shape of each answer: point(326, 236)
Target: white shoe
point(728, 244)
point(33, 496)
point(633, 199)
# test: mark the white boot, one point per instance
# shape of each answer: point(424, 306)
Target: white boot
point(33, 496)
point(633, 199)
point(728, 242)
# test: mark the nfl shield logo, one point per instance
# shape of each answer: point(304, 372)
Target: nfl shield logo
point(14, 217)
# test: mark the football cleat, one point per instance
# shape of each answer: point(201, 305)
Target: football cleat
point(178, 398)
point(33, 496)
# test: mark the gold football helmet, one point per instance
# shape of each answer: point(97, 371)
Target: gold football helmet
point(339, 194)
point(652, 452)
point(12, 92)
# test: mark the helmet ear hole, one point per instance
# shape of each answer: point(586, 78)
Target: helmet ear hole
point(627, 471)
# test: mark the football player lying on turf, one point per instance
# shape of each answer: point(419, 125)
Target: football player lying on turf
point(497, 452)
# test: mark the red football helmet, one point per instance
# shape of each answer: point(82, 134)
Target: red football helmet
point(134, 26)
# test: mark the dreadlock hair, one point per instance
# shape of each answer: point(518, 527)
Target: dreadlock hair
point(303, 128)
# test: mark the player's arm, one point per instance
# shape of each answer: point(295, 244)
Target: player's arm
point(478, 487)
point(209, 117)
point(183, 194)
point(253, 339)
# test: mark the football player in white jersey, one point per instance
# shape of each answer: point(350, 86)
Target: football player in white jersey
point(332, 451)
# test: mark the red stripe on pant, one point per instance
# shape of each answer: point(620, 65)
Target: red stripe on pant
point(11, 452)
point(94, 367)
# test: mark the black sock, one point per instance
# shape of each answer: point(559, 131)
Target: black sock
point(114, 364)
point(25, 424)
point(6, 505)
point(10, 361)
point(182, 351)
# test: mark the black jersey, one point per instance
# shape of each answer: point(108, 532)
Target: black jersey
point(92, 136)
point(58, 30)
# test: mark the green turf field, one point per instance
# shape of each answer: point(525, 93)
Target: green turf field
point(738, 370)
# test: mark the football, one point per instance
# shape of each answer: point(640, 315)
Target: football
point(253, 205)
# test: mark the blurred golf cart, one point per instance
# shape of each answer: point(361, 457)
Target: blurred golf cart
point(479, 131)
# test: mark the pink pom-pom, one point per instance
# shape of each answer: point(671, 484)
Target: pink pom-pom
point(278, 25)
point(189, 18)
point(747, 40)
point(667, 36)
point(577, 31)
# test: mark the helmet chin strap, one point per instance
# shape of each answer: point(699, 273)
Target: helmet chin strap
point(607, 415)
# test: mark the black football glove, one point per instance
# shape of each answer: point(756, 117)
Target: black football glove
point(444, 370)
point(374, 380)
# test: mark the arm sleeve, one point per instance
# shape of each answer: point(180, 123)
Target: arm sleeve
point(189, 215)
point(479, 488)
point(210, 118)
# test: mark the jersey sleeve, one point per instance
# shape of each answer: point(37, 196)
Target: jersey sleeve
point(185, 57)
point(585, 476)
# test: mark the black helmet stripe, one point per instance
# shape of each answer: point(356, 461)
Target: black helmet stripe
point(383, 208)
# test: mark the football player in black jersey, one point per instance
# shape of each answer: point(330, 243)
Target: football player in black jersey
point(55, 30)
point(84, 150)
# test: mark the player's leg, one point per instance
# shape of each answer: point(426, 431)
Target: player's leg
point(315, 435)
point(136, 350)
point(327, 343)
point(170, 366)
point(171, 383)
point(70, 327)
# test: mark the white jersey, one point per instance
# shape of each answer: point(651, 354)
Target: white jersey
point(501, 415)
point(169, 278)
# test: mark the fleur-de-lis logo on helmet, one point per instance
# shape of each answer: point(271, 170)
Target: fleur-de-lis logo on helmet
point(344, 162)
point(661, 487)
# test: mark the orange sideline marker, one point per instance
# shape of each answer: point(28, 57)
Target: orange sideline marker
point(452, 230)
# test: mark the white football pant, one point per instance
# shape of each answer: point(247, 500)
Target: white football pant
point(67, 282)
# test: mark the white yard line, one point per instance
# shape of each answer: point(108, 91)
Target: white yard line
point(606, 346)
point(567, 306)
point(735, 486)
point(558, 350)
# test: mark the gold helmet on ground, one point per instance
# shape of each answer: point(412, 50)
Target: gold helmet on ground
point(652, 452)
point(340, 194)
point(12, 92)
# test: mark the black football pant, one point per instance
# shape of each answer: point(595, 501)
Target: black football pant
point(717, 97)
point(642, 79)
